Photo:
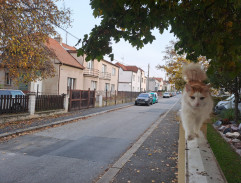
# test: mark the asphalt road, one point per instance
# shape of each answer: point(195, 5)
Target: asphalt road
point(80, 151)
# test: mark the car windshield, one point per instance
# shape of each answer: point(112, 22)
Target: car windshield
point(166, 93)
point(143, 95)
point(152, 94)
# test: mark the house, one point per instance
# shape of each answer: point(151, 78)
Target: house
point(68, 73)
point(131, 78)
point(98, 75)
point(153, 84)
point(167, 86)
point(160, 80)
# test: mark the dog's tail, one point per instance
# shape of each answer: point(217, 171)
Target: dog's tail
point(193, 72)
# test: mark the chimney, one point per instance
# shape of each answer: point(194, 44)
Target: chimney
point(59, 39)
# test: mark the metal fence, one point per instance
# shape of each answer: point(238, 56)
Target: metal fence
point(10, 104)
point(81, 99)
point(49, 102)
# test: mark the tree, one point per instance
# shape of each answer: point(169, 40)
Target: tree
point(25, 26)
point(173, 66)
point(208, 28)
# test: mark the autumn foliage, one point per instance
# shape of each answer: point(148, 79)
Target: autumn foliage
point(25, 27)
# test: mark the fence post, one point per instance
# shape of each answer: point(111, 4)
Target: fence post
point(88, 104)
point(66, 102)
point(100, 99)
point(122, 96)
point(94, 97)
point(31, 103)
point(106, 97)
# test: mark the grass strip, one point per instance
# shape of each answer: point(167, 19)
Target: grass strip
point(229, 161)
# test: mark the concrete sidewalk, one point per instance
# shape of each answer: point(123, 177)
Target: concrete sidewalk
point(18, 127)
point(151, 159)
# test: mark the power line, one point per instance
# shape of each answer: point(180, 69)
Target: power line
point(68, 32)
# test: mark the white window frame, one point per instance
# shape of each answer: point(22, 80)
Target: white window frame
point(90, 64)
point(71, 83)
point(93, 85)
point(107, 86)
point(113, 71)
point(112, 87)
point(104, 68)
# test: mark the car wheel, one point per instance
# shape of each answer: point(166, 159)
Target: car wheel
point(135, 103)
point(148, 103)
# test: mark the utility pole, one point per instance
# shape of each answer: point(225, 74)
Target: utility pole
point(148, 78)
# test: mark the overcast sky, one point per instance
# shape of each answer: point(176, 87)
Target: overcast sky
point(83, 22)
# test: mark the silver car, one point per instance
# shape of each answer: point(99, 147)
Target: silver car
point(144, 99)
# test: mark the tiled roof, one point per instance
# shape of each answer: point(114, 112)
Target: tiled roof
point(132, 68)
point(121, 66)
point(159, 79)
point(127, 68)
point(67, 47)
point(62, 55)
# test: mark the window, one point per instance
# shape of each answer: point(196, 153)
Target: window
point(107, 86)
point(8, 80)
point(90, 64)
point(112, 87)
point(113, 71)
point(70, 84)
point(104, 68)
point(93, 85)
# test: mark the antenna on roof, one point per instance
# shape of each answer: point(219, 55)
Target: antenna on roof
point(66, 37)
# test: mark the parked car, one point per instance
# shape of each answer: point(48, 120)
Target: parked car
point(15, 104)
point(154, 97)
point(144, 98)
point(166, 95)
point(228, 103)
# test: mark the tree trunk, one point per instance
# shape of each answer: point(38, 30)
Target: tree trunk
point(236, 94)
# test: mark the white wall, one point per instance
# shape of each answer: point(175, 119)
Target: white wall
point(125, 76)
point(36, 87)
point(137, 83)
point(124, 87)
